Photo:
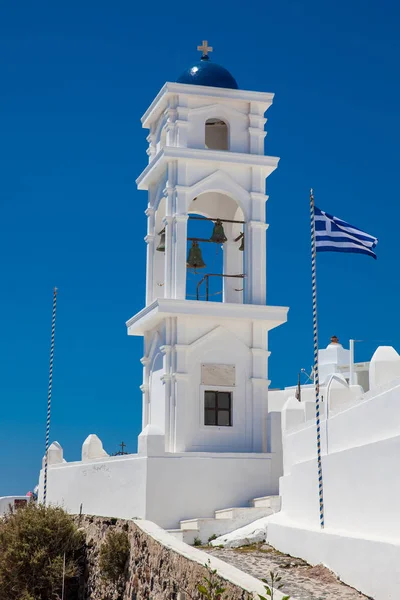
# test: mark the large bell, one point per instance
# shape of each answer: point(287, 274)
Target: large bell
point(195, 259)
point(218, 234)
point(161, 243)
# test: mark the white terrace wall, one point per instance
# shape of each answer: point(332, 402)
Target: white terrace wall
point(361, 485)
point(358, 447)
point(165, 489)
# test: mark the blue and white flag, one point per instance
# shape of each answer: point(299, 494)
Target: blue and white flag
point(334, 235)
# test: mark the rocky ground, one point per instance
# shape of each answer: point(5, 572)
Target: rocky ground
point(300, 580)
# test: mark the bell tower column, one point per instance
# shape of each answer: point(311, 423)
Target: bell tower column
point(256, 262)
point(168, 222)
point(180, 240)
point(150, 241)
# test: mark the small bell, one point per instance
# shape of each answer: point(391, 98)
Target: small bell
point(218, 234)
point(195, 259)
point(241, 247)
point(161, 243)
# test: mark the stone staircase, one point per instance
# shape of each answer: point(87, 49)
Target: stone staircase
point(225, 520)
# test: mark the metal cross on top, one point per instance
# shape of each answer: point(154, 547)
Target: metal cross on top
point(122, 451)
point(205, 48)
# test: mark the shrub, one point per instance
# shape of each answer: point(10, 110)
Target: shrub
point(211, 588)
point(197, 541)
point(272, 584)
point(114, 555)
point(212, 537)
point(33, 541)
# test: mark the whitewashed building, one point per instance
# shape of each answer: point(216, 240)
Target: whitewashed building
point(360, 445)
point(206, 441)
point(11, 503)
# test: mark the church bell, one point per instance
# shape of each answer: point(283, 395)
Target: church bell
point(218, 234)
point(161, 243)
point(195, 259)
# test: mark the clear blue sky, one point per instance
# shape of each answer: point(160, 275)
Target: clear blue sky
point(75, 79)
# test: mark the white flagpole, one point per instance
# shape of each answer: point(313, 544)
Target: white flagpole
point(351, 374)
point(53, 331)
point(316, 373)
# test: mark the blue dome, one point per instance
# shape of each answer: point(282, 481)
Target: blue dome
point(208, 73)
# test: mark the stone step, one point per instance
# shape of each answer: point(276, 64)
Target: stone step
point(185, 535)
point(248, 514)
point(273, 502)
point(208, 527)
point(197, 523)
point(225, 521)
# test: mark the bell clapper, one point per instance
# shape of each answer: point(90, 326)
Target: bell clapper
point(240, 237)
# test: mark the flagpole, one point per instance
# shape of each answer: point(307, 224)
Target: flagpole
point(53, 330)
point(316, 373)
point(351, 366)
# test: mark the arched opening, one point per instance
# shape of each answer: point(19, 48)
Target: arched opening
point(221, 279)
point(217, 134)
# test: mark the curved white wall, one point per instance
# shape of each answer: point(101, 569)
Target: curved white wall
point(361, 490)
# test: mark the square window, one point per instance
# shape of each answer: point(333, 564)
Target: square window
point(218, 408)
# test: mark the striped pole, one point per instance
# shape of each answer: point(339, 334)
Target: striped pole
point(53, 330)
point(316, 373)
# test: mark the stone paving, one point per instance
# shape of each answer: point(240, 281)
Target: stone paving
point(300, 580)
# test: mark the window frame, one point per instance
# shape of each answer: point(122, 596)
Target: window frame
point(217, 390)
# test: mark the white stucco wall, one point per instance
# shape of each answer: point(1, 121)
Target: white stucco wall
point(180, 346)
point(243, 111)
point(164, 489)
point(215, 342)
point(367, 564)
point(361, 487)
point(196, 486)
point(365, 421)
point(111, 487)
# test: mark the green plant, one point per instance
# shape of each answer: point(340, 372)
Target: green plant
point(33, 542)
point(212, 537)
point(211, 589)
point(197, 541)
point(271, 585)
point(114, 555)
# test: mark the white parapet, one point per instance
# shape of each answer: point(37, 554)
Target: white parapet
point(360, 445)
point(164, 488)
point(92, 447)
point(384, 366)
point(55, 455)
point(292, 414)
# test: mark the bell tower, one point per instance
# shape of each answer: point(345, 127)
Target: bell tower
point(205, 363)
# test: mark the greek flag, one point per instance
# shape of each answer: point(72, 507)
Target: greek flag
point(334, 235)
